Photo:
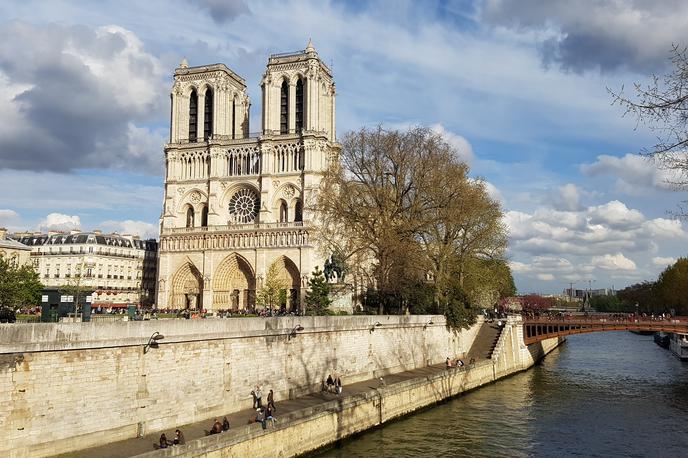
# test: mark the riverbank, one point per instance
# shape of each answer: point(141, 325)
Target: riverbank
point(314, 421)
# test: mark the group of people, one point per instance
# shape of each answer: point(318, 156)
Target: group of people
point(178, 440)
point(333, 385)
point(218, 427)
point(449, 363)
point(263, 413)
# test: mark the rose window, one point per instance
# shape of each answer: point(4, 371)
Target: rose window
point(244, 206)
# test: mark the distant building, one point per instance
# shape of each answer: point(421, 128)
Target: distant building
point(13, 251)
point(581, 293)
point(117, 269)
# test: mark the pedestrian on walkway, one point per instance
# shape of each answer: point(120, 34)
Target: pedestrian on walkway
point(271, 401)
point(225, 424)
point(338, 385)
point(255, 400)
point(217, 427)
point(270, 415)
point(259, 397)
point(330, 383)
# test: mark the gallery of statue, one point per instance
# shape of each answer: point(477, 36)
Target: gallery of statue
point(233, 205)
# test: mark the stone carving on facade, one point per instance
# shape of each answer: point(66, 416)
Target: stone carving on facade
point(289, 191)
point(195, 197)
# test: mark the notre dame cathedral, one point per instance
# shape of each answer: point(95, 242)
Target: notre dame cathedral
point(233, 200)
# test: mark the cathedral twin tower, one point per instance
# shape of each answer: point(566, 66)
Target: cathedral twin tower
point(233, 205)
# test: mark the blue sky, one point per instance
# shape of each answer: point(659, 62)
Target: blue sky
point(519, 87)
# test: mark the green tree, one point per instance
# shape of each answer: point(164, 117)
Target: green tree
point(644, 294)
point(273, 294)
point(672, 287)
point(610, 304)
point(318, 295)
point(19, 285)
point(457, 308)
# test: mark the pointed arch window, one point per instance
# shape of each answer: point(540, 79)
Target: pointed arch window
point(208, 115)
point(298, 211)
point(193, 116)
point(204, 217)
point(190, 217)
point(234, 104)
point(299, 105)
point(284, 212)
point(284, 108)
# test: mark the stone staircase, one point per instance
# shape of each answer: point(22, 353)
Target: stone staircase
point(485, 341)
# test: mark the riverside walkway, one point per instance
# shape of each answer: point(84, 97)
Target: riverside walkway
point(239, 421)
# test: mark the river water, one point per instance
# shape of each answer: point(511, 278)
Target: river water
point(609, 394)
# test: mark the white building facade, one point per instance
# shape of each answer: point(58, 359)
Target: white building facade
point(118, 269)
point(234, 201)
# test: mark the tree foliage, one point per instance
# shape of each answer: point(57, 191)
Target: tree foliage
point(273, 292)
point(672, 287)
point(318, 296)
point(536, 303)
point(662, 105)
point(19, 285)
point(401, 208)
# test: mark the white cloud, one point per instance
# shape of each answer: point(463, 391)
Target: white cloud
point(613, 262)
point(663, 261)
point(568, 198)
point(634, 174)
point(60, 222)
point(545, 277)
point(141, 228)
point(616, 215)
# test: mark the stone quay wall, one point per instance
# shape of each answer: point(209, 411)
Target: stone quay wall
point(69, 386)
point(313, 428)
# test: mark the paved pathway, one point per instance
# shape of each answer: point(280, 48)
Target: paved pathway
point(136, 446)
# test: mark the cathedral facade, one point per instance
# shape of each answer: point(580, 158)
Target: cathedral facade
point(233, 210)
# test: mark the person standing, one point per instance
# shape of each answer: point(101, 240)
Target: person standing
point(338, 385)
point(259, 397)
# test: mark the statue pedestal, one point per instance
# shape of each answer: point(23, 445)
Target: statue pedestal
point(342, 296)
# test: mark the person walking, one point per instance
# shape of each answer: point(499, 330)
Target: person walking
point(271, 401)
point(338, 385)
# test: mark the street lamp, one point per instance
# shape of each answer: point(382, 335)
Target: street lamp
point(153, 341)
point(376, 325)
point(297, 328)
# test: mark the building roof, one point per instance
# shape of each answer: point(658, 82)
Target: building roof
point(13, 245)
point(80, 238)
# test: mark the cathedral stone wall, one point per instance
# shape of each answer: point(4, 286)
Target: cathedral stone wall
point(68, 386)
point(235, 197)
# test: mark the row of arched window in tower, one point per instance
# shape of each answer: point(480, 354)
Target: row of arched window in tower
point(284, 107)
point(208, 129)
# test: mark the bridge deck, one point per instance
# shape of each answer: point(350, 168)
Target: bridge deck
point(541, 328)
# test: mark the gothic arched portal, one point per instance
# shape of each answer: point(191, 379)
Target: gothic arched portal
point(288, 273)
point(187, 288)
point(234, 284)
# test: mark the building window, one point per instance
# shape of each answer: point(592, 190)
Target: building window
point(190, 217)
point(298, 211)
point(193, 116)
point(284, 212)
point(299, 105)
point(284, 108)
point(208, 115)
point(204, 216)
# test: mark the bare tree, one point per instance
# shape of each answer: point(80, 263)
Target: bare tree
point(662, 106)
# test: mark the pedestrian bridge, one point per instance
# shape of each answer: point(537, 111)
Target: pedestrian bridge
point(536, 329)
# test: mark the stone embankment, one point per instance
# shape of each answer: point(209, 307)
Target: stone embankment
point(70, 387)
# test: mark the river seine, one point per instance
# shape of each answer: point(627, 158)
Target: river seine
point(612, 394)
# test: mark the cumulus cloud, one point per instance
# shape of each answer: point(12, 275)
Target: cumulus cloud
point(141, 228)
point(613, 262)
point(8, 217)
point(78, 98)
point(223, 10)
point(59, 222)
point(568, 198)
point(615, 215)
point(608, 35)
point(663, 261)
point(634, 174)
point(545, 277)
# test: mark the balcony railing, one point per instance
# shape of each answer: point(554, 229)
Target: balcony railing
point(233, 228)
